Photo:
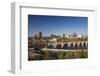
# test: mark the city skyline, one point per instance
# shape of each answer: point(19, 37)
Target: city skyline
point(54, 35)
point(57, 25)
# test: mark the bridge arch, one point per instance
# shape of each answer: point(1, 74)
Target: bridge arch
point(65, 46)
point(50, 46)
point(84, 45)
point(58, 46)
point(80, 46)
point(76, 45)
point(71, 46)
point(87, 45)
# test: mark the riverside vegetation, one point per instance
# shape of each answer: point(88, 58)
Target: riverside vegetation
point(52, 55)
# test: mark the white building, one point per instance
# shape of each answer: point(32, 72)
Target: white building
point(53, 40)
point(79, 36)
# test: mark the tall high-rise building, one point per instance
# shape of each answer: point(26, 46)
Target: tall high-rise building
point(74, 34)
point(63, 35)
point(40, 34)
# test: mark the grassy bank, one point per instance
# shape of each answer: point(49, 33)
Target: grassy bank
point(52, 55)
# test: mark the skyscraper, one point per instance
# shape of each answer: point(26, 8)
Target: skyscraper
point(63, 35)
point(40, 34)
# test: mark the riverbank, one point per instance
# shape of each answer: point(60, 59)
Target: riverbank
point(53, 55)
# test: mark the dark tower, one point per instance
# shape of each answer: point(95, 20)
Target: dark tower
point(40, 34)
point(63, 35)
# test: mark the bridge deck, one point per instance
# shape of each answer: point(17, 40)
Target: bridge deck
point(62, 49)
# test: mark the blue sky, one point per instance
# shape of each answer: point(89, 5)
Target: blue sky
point(57, 25)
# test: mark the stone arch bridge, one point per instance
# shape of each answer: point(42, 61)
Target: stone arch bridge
point(69, 45)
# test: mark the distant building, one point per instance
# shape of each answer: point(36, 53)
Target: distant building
point(74, 35)
point(83, 36)
point(79, 36)
point(53, 35)
point(63, 35)
point(35, 36)
point(53, 40)
point(40, 34)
